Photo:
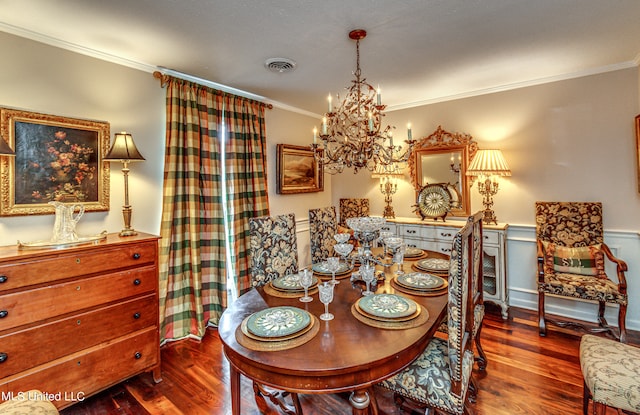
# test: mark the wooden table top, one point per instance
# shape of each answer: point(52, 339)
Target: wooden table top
point(345, 355)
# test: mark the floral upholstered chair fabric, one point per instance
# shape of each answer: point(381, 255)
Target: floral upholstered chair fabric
point(274, 247)
point(571, 261)
point(31, 402)
point(322, 227)
point(353, 208)
point(611, 372)
point(440, 377)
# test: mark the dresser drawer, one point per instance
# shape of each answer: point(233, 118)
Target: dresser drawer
point(69, 335)
point(490, 237)
point(84, 373)
point(73, 264)
point(30, 306)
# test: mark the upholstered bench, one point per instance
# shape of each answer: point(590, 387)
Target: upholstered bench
point(32, 402)
point(611, 372)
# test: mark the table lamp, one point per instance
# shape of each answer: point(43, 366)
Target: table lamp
point(124, 150)
point(487, 165)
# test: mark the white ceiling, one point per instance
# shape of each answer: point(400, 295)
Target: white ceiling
point(418, 51)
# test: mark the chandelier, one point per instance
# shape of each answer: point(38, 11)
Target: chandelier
point(352, 135)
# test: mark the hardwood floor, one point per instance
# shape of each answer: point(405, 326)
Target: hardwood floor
point(527, 374)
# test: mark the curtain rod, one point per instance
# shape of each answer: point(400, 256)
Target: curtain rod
point(164, 79)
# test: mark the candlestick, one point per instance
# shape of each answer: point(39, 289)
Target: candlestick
point(315, 135)
point(409, 131)
point(324, 125)
point(329, 99)
point(379, 96)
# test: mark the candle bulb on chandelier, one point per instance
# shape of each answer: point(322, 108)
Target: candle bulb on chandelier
point(329, 99)
point(379, 96)
point(370, 121)
point(315, 135)
point(324, 125)
point(409, 131)
point(390, 139)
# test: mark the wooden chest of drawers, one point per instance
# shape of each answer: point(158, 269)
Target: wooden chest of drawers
point(77, 320)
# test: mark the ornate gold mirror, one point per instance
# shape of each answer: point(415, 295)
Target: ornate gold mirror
point(443, 157)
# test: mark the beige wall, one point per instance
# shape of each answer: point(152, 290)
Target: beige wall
point(569, 140)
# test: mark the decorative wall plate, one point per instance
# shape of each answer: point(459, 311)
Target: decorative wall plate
point(434, 201)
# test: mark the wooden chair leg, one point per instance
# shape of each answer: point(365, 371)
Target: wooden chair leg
point(542, 327)
point(622, 325)
point(482, 357)
point(586, 394)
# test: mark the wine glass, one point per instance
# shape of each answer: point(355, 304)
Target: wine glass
point(367, 272)
point(343, 250)
point(393, 244)
point(306, 279)
point(398, 258)
point(384, 235)
point(326, 296)
point(333, 264)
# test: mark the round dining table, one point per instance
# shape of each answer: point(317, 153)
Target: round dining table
point(345, 355)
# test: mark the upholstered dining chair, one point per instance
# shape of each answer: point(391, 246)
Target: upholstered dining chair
point(353, 208)
point(322, 227)
point(274, 247)
point(611, 372)
point(273, 254)
point(477, 267)
point(571, 263)
point(441, 377)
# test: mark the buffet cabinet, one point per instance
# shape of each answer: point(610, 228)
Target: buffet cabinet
point(438, 236)
point(79, 319)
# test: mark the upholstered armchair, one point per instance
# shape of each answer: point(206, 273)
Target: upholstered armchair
point(441, 377)
point(353, 208)
point(611, 372)
point(571, 262)
point(322, 227)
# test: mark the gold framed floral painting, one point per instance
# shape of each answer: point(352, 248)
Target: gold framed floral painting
point(57, 159)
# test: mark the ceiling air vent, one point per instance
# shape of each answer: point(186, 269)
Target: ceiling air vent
point(280, 65)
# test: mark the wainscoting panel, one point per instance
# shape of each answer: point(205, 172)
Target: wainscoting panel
point(522, 275)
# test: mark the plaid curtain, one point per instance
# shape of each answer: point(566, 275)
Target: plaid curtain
point(192, 246)
point(246, 180)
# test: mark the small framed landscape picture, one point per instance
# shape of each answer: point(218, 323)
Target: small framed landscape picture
point(298, 170)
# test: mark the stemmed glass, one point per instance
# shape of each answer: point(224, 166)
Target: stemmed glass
point(333, 264)
point(306, 278)
point(367, 272)
point(393, 243)
point(342, 237)
point(326, 296)
point(343, 250)
point(398, 258)
point(384, 235)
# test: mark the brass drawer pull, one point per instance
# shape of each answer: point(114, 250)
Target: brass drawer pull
point(3, 357)
point(3, 278)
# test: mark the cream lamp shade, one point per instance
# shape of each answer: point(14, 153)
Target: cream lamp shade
point(488, 163)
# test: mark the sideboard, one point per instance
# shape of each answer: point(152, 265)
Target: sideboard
point(438, 236)
point(78, 319)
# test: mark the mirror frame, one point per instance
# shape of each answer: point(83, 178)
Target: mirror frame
point(441, 141)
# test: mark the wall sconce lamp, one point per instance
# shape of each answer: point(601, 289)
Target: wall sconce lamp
point(5, 150)
point(487, 165)
point(388, 175)
point(124, 150)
